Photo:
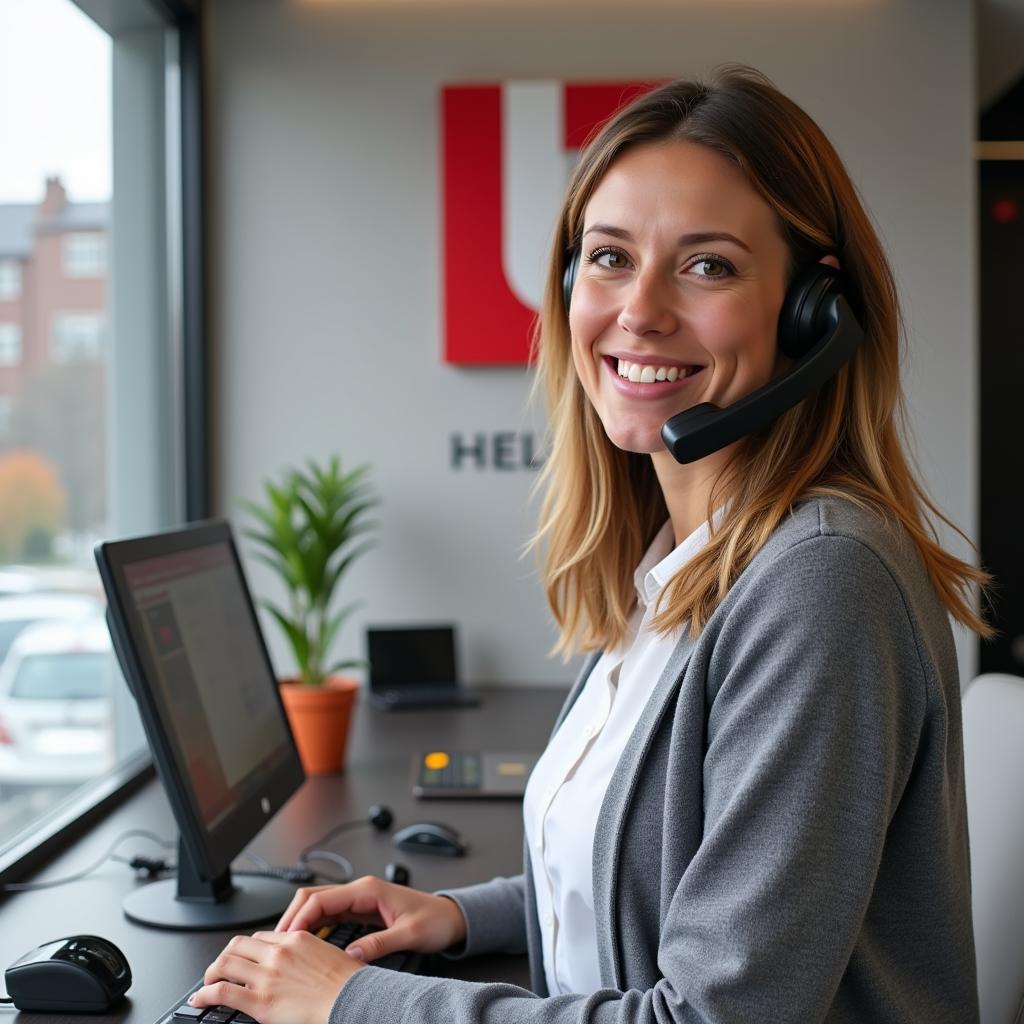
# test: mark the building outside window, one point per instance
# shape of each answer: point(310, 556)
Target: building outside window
point(10, 279)
point(10, 344)
point(85, 255)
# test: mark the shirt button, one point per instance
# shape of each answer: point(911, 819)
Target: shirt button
point(548, 920)
point(588, 730)
point(549, 792)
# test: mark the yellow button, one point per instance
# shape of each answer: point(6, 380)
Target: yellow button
point(511, 768)
point(436, 760)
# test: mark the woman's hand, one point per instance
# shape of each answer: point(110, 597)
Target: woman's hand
point(412, 920)
point(290, 976)
point(277, 977)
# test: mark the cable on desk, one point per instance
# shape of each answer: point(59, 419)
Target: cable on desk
point(111, 854)
point(343, 862)
point(300, 874)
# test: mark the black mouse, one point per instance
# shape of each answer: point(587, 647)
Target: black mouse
point(430, 837)
point(78, 974)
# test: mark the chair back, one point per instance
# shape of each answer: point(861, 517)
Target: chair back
point(993, 721)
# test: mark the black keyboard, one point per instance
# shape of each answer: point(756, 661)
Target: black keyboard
point(340, 935)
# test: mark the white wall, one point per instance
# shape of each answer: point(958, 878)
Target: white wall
point(325, 215)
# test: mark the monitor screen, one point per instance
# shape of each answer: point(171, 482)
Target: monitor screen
point(213, 684)
point(186, 633)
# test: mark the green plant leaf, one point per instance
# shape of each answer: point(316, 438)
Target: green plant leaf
point(334, 577)
point(338, 666)
point(310, 528)
point(329, 627)
point(296, 637)
point(275, 563)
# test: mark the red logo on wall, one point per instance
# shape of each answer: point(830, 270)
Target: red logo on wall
point(508, 151)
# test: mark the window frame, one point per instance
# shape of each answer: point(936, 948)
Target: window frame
point(186, 222)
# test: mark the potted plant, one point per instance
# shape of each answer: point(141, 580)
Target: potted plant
point(312, 527)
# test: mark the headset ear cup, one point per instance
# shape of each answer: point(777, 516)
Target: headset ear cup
point(572, 266)
point(801, 318)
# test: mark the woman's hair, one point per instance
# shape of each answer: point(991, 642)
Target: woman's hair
point(603, 506)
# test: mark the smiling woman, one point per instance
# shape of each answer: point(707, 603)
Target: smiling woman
point(652, 295)
point(752, 807)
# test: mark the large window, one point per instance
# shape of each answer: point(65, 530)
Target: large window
point(91, 379)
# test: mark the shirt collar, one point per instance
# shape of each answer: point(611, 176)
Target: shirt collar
point(661, 561)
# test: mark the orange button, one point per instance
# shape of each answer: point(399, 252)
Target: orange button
point(436, 760)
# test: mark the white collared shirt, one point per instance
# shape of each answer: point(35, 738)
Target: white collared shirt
point(564, 795)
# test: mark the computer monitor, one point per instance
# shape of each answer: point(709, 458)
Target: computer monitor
point(185, 630)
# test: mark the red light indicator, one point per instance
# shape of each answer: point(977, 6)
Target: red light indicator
point(1005, 211)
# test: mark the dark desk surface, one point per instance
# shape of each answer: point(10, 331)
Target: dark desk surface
point(164, 964)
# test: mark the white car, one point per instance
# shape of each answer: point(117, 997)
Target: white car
point(56, 711)
point(20, 611)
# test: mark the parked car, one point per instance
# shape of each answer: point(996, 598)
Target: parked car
point(55, 705)
point(22, 610)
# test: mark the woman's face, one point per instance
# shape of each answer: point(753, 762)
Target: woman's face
point(677, 298)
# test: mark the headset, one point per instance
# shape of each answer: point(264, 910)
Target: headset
point(817, 329)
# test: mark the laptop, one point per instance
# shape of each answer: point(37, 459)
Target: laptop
point(414, 667)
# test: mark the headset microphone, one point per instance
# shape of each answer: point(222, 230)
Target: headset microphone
point(817, 329)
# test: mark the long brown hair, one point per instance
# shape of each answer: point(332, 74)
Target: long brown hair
point(602, 506)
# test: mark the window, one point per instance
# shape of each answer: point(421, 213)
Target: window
point(85, 255)
point(92, 440)
point(10, 279)
point(76, 337)
point(10, 344)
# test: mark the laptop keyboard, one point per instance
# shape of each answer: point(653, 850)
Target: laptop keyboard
point(340, 935)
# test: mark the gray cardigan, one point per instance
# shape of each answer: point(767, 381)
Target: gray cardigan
point(785, 837)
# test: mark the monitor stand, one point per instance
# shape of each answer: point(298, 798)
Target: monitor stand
point(190, 903)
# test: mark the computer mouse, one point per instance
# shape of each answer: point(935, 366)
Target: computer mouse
point(430, 837)
point(77, 974)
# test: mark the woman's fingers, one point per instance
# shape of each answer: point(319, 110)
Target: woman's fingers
point(377, 944)
point(412, 920)
point(426, 924)
point(298, 901)
point(226, 993)
point(328, 903)
point(287, 977)
point(228, 967)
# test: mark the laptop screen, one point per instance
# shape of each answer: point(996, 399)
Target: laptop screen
point(411, 656)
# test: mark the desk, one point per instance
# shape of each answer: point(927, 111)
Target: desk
point(165, 963)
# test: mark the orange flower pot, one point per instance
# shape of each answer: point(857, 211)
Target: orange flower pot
point(319, 717)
